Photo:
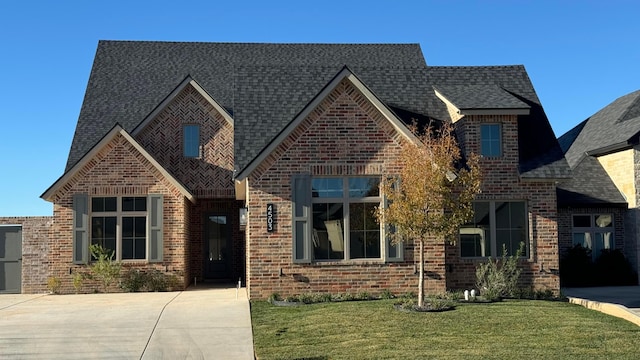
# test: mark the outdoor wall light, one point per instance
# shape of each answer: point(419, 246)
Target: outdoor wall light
point(244, 214)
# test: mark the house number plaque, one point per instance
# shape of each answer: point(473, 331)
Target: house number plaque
point(270, 219)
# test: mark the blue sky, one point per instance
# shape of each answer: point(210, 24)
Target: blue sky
point(580, 56)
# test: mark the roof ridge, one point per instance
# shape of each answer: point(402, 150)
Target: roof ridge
point(632, 111)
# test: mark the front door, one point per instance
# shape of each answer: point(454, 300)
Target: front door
point(217, 262)
point(10, 259)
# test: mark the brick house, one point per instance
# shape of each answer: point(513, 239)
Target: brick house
point(599, 207)
point(260, 162)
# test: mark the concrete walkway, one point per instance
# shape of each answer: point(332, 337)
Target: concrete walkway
point(620, 301)
point(200, 323)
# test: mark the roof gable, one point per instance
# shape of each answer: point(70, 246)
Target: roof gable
point(344, 74)
point(188, 81)
point(108, 138)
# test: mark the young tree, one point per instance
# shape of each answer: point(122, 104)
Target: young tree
point(433, 193)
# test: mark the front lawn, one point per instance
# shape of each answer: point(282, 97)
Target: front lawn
point(513, 329)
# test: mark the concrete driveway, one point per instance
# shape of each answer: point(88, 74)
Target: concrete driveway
point(200, 323)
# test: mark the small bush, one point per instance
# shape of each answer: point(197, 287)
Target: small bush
point(274, 297)
point(133, 280)
point(156, 281)
point(363, 295)
point(386, 294)
point(53, 284)
point(104, 269)
point(78, 280)
point(497, 279)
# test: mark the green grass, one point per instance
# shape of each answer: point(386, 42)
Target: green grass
point(515, 329)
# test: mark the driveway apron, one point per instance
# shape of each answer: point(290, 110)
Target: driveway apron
point(201, 323)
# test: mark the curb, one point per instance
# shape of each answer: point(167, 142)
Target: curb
point(610, 309)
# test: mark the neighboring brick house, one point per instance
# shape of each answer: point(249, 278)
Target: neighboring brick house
point(599, 207)
point(260, 162)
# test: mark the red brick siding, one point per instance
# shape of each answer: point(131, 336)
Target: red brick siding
point(345, 135)
point(501, 181)
point(36, 231)
point(118, 169)
point(208, 177)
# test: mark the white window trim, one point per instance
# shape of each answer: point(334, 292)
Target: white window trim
point(119, 214)
point(493, 241)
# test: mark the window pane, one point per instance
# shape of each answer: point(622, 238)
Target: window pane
point(191, 140)
point(582, 221)
point(474, 242)
point(583, 239)
point(103, 204)
point(603, 221)
point(364, 187)
point(364, 231)
point(326, 187)
point(328, 236)
point(490, 140)
point(127, 248)
point(502, 215)
point(134, 237)
point(603, 241)
point(103, 232)
point(475, 238)
point(134, 204)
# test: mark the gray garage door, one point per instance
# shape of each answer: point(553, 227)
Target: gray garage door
point(10, 258)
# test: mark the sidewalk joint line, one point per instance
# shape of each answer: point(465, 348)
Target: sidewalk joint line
point(156, 324)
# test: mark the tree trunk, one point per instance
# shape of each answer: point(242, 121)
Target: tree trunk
point(421, 276)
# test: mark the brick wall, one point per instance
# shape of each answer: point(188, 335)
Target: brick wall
point(343, 136)
point(118, 169)
point(36, 231)
point(501, 181)
point(210, 176)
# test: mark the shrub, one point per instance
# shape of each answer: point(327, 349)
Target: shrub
point(387, 294)
point(156, 281)
point(78, 280)
point(576, 268)
point(498, 278)
point(53, 284)
point(133, 280)
point(611, 268)
point(104, 269)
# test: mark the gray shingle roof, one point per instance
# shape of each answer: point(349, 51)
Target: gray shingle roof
point(480, 97)
point(540, 154)
point(264, 86)
point(614, 127)
point(617, 124)
point(590, 185)
point(130, 78)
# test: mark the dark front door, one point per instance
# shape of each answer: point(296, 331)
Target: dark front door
point(10, 259)
point(217, 261)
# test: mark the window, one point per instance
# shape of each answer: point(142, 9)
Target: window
point(334, 219)
point(120, 225)
point(191, 140)
point(490, 140)
point(495, 224)
point(594, 232)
